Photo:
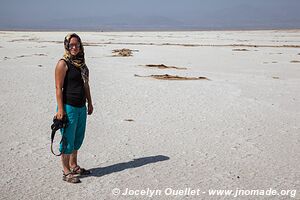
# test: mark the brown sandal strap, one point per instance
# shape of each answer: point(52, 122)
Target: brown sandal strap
point(72, 179)
point(81, 171)
point(75, 169)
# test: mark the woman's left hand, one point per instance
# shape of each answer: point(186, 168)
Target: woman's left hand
point(90, 109)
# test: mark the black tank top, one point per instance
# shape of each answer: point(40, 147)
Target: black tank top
point(73, 88)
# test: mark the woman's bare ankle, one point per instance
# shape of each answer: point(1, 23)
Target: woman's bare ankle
point(66, 171)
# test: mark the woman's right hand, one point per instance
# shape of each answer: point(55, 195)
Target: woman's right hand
point(59, 115)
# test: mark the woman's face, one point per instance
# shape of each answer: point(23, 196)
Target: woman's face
point(74, 46)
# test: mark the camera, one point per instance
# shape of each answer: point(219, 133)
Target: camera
point(59, 123)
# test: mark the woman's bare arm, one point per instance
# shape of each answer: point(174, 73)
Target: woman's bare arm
point(60, 73)
point(89, 98)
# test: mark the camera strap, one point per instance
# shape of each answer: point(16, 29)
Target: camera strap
point(62, 141)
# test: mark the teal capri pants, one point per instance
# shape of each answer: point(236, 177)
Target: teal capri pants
point(74, 132)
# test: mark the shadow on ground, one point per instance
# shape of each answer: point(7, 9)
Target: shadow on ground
point(101, 171)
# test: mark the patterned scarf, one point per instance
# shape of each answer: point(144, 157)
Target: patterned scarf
point(78, 60)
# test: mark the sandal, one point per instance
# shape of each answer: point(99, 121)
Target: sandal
point(80, 171)
point(70, 178)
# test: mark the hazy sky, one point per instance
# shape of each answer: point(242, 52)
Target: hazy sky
point(95, 14)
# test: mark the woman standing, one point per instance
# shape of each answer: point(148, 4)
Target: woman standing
point(72, 93)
